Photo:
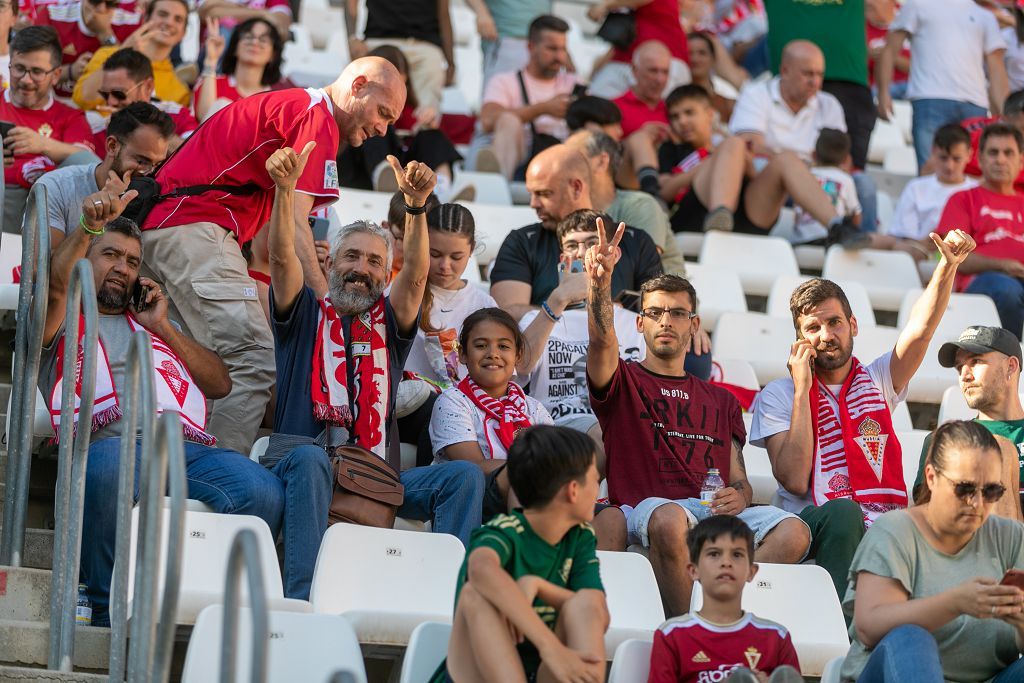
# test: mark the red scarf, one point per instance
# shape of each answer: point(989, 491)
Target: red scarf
point(368, 345)
point(510, 413)
point(857, 454)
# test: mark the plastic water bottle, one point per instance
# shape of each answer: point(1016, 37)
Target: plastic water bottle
point(711, 484)
point(83, 610)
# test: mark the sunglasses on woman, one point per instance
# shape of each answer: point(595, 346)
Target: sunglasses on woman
point(111, 4)
point(966, 490)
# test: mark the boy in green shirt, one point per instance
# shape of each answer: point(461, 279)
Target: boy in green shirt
point(530, 605)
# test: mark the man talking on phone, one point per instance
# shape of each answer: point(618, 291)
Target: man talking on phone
point(828, 429)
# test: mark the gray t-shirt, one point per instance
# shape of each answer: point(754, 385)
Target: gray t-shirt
point(970, 649)
point(65, 190)
point(641, 210)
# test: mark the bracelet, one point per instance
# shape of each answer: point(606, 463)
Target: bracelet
point(415, 210)
point(547, 310)
point(208, 72)
point(81, 222)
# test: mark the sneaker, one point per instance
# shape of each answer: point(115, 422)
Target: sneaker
point(487, 161)
point(847, 235)
point(720, 219)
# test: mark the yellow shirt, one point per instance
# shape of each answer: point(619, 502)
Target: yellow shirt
point(166, 84)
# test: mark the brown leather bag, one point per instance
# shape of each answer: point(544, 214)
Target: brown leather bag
point(367, 490)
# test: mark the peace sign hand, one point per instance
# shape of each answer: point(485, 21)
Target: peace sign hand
point(601, 258)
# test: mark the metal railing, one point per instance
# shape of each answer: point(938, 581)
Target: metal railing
point(72, 460)
point(244, 554)
point(32, 299)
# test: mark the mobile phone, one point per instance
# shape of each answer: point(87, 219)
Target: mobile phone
point(5, 128)
point(579, 90)
point(1013, 577)
point(320, 226)
point(140, 293)
point(576, 266)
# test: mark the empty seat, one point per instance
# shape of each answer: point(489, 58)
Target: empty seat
point(759, 339)
point(632, 663)
point(491, 188)
point(757, 260)
point(718, 291)
point(759, 474)
point(872, 342)
point(802, 598)
point(911, 444)
point(10, 258)
point(887, 275)
point(634, 602)
point(954, 406)
point(734, 371)
point(494, 223)
point(886, 135)
point(902, 160)
point(359, 205)
point(302, 647)
point(690, 243)
point(428, 646)
point(886, 209)
point(782, 289)
point(415, 574)
point(901, 421)
point(962, 311)
point(832, 669)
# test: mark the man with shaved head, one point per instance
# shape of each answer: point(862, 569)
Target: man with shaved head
point(643, 102)
point(215, 196)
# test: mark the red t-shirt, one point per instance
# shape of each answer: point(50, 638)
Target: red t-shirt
point(184, 122)
point(32, 8)
point(995, 221)
point(878, 36)
point(636, 112)
point(974, 127)
point(688, 649)
point(73, 34)
point(657, 20)
point(55, 120)
point(662, 434)
point(232, 148)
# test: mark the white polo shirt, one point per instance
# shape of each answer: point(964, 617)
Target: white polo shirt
point(761, 109)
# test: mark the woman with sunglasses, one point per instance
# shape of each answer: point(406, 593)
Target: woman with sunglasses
point(926, 589)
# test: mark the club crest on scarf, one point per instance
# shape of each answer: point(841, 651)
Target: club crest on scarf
point(872, 444)
point(176, 383)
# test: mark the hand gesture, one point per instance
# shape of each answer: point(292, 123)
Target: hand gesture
point(557, 106)
point(983, 598)
point(801, 359)
point(214, 43)
point(285, 166)
point(78, 66)
point(153, 315)
point(601, 258)
point(728, 501)
point(700, 343)
point(101, 207)
point(427, 118)
point(117, 184)
point(954, 247)
point(656, 131)
point(416, 180)
point(485, 27)
point(569, 666)
point(141, 36)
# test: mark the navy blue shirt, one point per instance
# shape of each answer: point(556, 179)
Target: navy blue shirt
point(294, 342)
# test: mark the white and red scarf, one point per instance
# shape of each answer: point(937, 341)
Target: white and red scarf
point(371, 374)
point(860, 440)
point(175, 389)
point(504, 417)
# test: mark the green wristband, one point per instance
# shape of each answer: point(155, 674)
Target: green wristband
point(81, 222)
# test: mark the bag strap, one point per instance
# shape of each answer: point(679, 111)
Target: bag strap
point(526, 100)
point(191, 190)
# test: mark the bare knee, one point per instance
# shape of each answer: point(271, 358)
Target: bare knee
point(508, 123)
point(587, 607)
point(667, 532)
point(471, 602)
point(610, 528)
point(730, 146)
point(790, 538)
point(786, 158)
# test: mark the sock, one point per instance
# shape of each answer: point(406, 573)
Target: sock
point(648, 178)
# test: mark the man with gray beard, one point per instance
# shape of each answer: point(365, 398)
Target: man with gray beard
point(339, 362)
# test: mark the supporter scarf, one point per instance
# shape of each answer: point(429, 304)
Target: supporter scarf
point(861, 436)
point(176, 391)
point(371, 374)
point(509, 413)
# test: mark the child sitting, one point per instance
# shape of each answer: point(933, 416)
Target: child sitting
point(832, 168)
point(530, 604)
point(721, 641)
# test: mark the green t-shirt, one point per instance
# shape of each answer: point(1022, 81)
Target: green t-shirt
point(571, 563)
point(512, 17)
point(641, 210)
point(838, 27)
point(1010, 429)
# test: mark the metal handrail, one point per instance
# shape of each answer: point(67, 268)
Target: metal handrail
point(245, 554)
point(138, 405)
point(33, 296)
point(73, 457)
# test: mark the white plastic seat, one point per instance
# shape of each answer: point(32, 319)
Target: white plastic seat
point(903, 117)
point(911, 444)
point(759, 474)
point(634, 602)
point(802, 598)
point(428, 646)
point(809, 256)
point(832, 669)
point(887, 275)
point(872, 342)
point(902, 160)
point(359, 205)
point(901, 421)
point(782, 289)
point(632, 663)
point(962, 311)
point(10, 258)
point(759, 339)
point(690, 243)
point(886, 209)
point(491, 188)
point(415, 574)
point(494, 223)
point(302, 647)
point(718, 291)
point(954, 406)
point(734, 371)
point(757, 260)
point(886, 135)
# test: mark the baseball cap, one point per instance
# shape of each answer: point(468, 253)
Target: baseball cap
point(980, 340)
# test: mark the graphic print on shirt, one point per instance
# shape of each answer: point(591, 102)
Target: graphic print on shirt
point(567, 392)
point(682, 431)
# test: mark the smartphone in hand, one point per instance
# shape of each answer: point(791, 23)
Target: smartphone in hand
point(140, 294)
point(319, 226)
point(1013, 577)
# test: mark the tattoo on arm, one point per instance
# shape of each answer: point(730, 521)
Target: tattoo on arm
point(738, 485)
point(739, 456)
point(601, 309)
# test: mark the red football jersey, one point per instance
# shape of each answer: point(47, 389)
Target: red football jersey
point(974, 127)
point(75, 37)
point(55, 120)
point(689, 649)
point(32, 8)
point(995, 221)
point(232, 148)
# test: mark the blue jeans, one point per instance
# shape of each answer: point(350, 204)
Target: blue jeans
point(909, 654)
point(867, 194)
point(930, 115)
point(225, 480)
point(1008, 294)
point(449, 494)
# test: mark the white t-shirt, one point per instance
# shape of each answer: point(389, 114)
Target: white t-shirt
point(773, 409)
point(920, 206)
point(559, 380)
point(761, 109)
point(456, 419)
point(435, 356)
point(1014, 59)
point(949, 40)
point(839, 187)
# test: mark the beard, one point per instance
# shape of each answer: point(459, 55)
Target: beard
point(109, 300)
point(669, 350)
point(352, 303)
point(824, 363)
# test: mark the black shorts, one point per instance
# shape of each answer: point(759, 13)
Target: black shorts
point(690, 212)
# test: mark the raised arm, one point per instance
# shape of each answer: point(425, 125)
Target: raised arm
point(998, 80)
point(791, 453)
point(286, 276)
point(883, 71)
point(603, 354)
point(416, 181)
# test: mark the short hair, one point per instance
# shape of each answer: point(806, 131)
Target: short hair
point(126, 121)
point(950, 135)
point(543, 459)
point(812, 293)
point(668, 283)
point(1001, 130)
point(396, 207)
point(584, 220)
point(152, 6)
point(368, 227)
point(597, 142)
point(1014, 102)
point(546, 22)
point(591, 109)
point(832, 147)
point(272, 70)
point(137, 65)
point(37, 39)
point(124, 226)
point(690, 91)
point(716, 526)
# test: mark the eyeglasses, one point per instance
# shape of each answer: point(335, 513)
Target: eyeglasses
point(966, 490)
point(574, 247)
point(262, 39)
point(655, 314)
point(111, 4)
point(18, 72)
point(119, 95)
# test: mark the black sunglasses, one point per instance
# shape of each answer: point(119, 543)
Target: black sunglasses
point(966, 490)
point(111, 4)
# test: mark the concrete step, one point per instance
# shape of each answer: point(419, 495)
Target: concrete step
point(38, 548)
point(24, 594)
point(26, 643)
point(21, 674)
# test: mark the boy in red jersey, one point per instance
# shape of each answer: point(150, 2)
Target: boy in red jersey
point(720, 641)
